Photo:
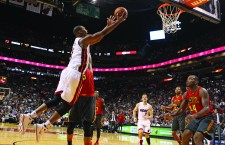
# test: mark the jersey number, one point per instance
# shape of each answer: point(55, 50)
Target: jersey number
point(193, 108)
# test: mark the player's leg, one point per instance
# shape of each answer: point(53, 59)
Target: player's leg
point(74, 118)
point(98, 127)
point(69, 78)
point(70, 128)
point(175, 128)
point(147, 136)
point(189, 131)
point(87, 109)
point(187, 134)
point(42, 128)
point(49, 104)
point(147, 133)
point(69, 86)
point(26, 119)
point(206, 124)
point(140, 132)
point(181, 121)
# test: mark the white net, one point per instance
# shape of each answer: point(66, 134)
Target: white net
point(169, 15)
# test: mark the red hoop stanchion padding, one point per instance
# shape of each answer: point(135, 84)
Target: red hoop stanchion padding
point(194, 3)
point(169, 15)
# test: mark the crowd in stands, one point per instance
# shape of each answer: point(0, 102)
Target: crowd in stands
point(28, 91)
point(148, 52)
point(121, 95)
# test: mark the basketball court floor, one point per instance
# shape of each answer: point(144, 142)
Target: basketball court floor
point(9, 135)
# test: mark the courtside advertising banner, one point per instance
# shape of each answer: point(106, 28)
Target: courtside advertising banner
point(155, 131)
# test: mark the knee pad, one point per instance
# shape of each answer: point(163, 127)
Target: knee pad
point(87, 129)
point(54, 102)
point(70, 127)
point(64, 108)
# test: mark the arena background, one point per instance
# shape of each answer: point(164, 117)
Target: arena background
point(31, 85)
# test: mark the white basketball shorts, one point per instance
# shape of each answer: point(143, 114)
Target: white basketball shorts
point(69, 85)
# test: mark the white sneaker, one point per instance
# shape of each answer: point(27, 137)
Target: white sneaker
point(25, 120)
point(40, 129)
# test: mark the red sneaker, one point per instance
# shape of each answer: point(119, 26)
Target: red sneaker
point(96, 143)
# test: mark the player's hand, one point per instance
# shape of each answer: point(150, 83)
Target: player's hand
point(189, 118)
point(145, 117)
point(135, 119)
point(122, 18)
point(173, 105)
point(163, 107)
point(111, 20)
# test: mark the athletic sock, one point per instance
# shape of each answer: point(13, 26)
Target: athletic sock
point(33, 114)
point(47, 124)
point(148, 140)
point(141, 141)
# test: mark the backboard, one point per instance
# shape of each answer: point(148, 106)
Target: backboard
point(209, 11)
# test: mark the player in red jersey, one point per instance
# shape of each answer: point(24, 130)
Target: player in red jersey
point(120, 120)
point(200, 120)
point(178, 122)
point(83, 111)
point(100, 107)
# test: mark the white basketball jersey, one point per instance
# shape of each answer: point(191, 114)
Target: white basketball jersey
point(142, 110)
point(79, 57)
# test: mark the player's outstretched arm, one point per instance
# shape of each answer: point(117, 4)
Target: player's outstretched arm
point(112, 23)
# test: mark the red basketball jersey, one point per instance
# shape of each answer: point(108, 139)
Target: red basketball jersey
point(88, 88)
point(195, 103)
point(121, 118)
point(177, 100)
point(99, 106)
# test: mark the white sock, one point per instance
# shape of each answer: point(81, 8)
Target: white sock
point(47, 124)
point(33, 114)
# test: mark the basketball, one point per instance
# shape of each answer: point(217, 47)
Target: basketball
point(119, 11)
point(167, 116)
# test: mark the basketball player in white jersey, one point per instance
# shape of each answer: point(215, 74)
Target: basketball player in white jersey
point(70, 85)
point(145, 113)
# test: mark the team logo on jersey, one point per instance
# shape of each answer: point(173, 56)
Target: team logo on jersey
point(84, 77)
point(143, 110)
point(177, 102)
point(193, 100)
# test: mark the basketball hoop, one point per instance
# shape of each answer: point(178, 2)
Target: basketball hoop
point(169, 15)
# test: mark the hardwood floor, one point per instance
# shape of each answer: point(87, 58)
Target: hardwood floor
point(9, 135)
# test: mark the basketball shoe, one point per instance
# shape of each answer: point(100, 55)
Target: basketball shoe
point(96, 143)
point(40, 129)
point(25, 120)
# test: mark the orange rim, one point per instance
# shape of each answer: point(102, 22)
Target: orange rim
point(166, 5)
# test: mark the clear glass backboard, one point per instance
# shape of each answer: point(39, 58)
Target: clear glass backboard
point(209, 11)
